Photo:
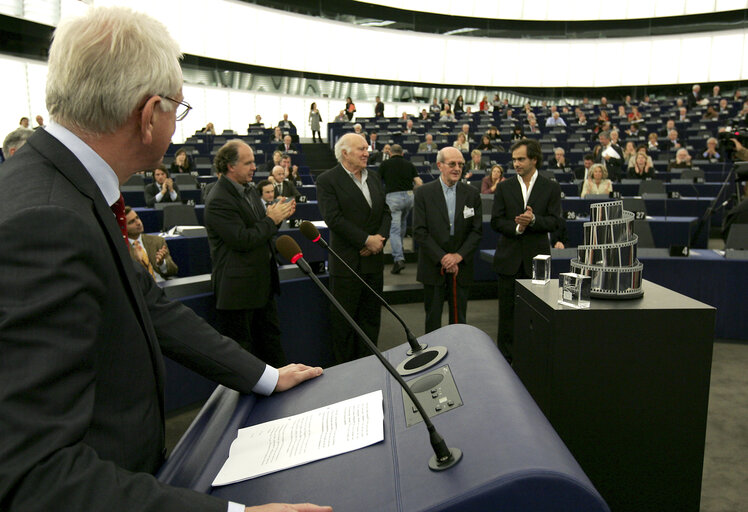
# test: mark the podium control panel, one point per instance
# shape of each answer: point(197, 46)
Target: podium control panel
point(437, 393)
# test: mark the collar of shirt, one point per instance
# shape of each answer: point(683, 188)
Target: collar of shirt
point(139, 240)
point(100, 171)
point(364, 175)
point(362, 186)
point(526, 191)
point(239, 188)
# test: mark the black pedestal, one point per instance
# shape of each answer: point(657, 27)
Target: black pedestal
point(626, 386)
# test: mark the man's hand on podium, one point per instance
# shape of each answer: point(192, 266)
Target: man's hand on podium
point(287, 507)
point(290, 376)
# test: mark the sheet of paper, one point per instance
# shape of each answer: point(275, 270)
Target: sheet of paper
point(288, 442)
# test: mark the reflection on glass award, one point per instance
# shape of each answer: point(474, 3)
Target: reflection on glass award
point(574, 290)
point(541, 269)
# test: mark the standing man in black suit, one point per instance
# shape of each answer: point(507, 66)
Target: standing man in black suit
point(245, 271)
point(448, 226)
point(352, 204)
point(379, 108)
point(83, 326)
point(525, 210)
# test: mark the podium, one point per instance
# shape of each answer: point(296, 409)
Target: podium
point(513, 460)
point(626, 386)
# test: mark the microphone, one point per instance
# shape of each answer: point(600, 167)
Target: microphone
point(419, 359)
point(444, 456)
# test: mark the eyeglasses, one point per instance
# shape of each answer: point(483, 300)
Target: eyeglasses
point(454, 164)
point(183, 108)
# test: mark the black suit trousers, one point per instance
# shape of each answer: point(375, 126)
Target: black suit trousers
point(365, 310)
point(256, 330)
point(506, 311)
point(433, 302)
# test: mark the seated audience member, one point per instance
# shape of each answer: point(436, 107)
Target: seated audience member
point(283, 187)
point(622, 112)
point(682, 160)
point(208, 129)
point(615, 137)
point(428, 145)
point(14, 140)
point(267, 193)
point(475, 164)
point(292, 171)
point(633, 130)
point(286, 125)
point(629, 152)
point(465, 130)
point(447, 115)
point(682, 116)
point(598, 183)
point(359, 130)
point(642, 167)
point(287, 146)
point(724, 109)
point(711, 152)
point(582, 119)
point(715, 91)
point(534, 128)
point(149, 250)
point(374, 144)
point(445, 104)
point(493, 133)
point(258, 124)
point(672, 142)
point(496, 103)
point(518, 133)
point(485, 144)
point(461, 143)
point(583, 173)
point(409, 130)
point(405, 117)
point(634, 115)
point(483, 105)
point(182, 163)
point(380, 156)
point(424, 115)
point(341, 117)
point(277, 136)
point(555, 120)
point(645, 102)
point(435, 109)
point(267, 167)
point(669, 126)
point(490, 181)
point(558, 160)
point(509, 115)
point(162, 190)
point(652, 142)
point(710, 114)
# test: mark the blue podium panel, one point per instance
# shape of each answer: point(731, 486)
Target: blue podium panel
point(513, 459)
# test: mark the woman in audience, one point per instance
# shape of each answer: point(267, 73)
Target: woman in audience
point(459, 105)
point(484, 104)
point(634, 115)
point(496, 102)
point(598, 183)
point(682, 160)
point(622, 112)
point(629, 153)
point(277, 136)
point(488, 184)
point(652, 144)
point(642, 167)
point(447, 114)
point(528, 108)
point(350, 108)
point(493, 133)
point(485, 143)
point(181, 163)
point(461, 143)
point(518, 133)
point(314, 121)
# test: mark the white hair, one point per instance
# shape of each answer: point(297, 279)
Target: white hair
point(15, 139)
point(103, 64)
point(344, 143)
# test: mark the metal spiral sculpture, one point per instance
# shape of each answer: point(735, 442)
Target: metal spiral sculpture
point(608, 255)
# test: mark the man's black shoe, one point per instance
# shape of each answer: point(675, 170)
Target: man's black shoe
point(398, 267)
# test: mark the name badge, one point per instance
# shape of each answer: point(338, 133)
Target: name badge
point(468, 212)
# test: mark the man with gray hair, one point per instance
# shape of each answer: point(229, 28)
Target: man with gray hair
point(84, 327)
point(14, 140)
point(351, 200)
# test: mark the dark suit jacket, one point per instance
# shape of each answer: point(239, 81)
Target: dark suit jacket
point(379, 109)
point(245, 273)
point(514, 251)
point(282, 147)
point(152, 244)
point(83, 330)
point(288, 189)
point(152, 190)
point(351, 220)
point(431, 231)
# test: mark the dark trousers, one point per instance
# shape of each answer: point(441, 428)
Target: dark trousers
point(316, 134)
point(365, 310)
point(433, 302)
point(506, 312)
point(256, 330)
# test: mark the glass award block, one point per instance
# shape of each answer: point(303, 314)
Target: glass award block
point(574, 290)
point(541, 269)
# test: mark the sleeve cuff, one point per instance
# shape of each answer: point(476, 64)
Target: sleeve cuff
point(268, 381)
point(235, 507)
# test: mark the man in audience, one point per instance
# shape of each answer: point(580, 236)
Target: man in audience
point(39, 122)
point(399, 177)
point(374, 146)
point(610, 155)
point(724, 110)
point(24, 122)
point(283, 186)
point(341, 117)
point(672, 142)
point(711, 152)
point(669, 126)
point(428, 145)
point(558, 160)
point(435, 109)
point(267, 193)
point(476, 164)
point(715, 92)
point(583, 173)
point(695, 97)
point(291, 170)
point(465, 130)
point(286, 125)
point(352, 203)
point(83, 325)
point(245, 272)
point(14, 140)
point(381, 156)
point(379, 108)
point(409, 128)
point(447, 243)
point(555, 120)
point(525, 210)
point(162, 190)
point(682, 115)
point(582, 118)
point(533, 123)
point(149, 250)
point(287, 146)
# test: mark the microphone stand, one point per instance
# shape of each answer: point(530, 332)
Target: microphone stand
point(708, 213)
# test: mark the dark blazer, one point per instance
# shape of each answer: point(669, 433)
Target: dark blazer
point(431, 231)
point(379, 109)
point(288, 189)
point(151, 191)
point(282, 147)
point(244, 269)
point(82, 336)
point(514, 251)
point(350, 219)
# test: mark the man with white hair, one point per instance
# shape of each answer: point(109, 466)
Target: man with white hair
point(695, 97)
point(352, 202)
point(84, 327)
point(282, 185)
point(14, 140)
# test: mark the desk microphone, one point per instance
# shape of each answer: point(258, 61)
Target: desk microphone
point(419, 359)
point(444, 456)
